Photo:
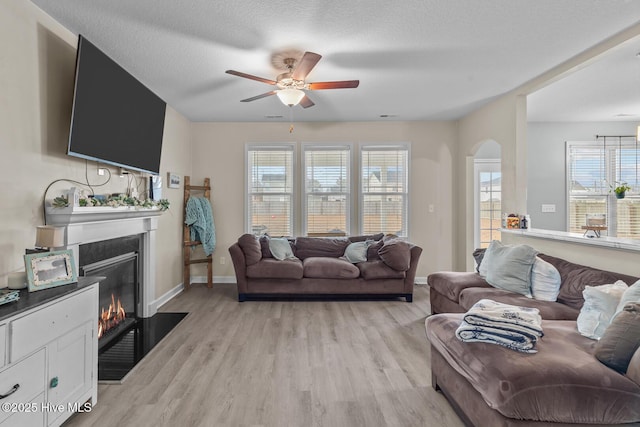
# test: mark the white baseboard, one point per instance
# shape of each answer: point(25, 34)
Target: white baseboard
point(216, 279)
point(165, 298)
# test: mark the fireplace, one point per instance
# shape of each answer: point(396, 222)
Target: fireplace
point(119, 292)
point(119, 244)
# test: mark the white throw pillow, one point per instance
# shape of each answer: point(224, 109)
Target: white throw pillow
point(600, 304)
point(545, 281)
point(631, 294)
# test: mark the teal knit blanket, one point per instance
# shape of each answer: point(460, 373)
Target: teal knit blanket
point(199, 218)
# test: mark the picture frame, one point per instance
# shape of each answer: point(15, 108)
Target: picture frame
point(49, 269)
point(173, 180)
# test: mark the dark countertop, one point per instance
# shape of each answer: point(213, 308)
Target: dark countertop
point(29, 300)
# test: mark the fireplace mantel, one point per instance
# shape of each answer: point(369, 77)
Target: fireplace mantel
point(93, 224)
point(78, 214)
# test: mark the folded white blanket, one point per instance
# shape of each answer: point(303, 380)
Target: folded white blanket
point(517, 328)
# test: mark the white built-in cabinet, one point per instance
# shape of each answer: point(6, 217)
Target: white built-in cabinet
point(49, 360)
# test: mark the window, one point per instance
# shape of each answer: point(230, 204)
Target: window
point(488, 202)
point(592, 169)
point(270, 189)
point(327, 201)
point(327, 194)
point(384, 180)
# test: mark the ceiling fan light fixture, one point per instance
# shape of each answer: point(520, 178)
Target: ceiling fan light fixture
point(290, 97)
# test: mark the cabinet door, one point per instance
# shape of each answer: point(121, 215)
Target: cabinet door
point(70, 369)
point(33, 417)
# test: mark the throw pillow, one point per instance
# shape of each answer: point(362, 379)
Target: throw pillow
point(396, 254)
point(600, 303)
point(280, 248)
point(372, 251)
point(251, 248)
point(264, 246)
point(483, 268)
point(545, 281)
point(621, 339)
point(510, 267)
point(631, 294)
point(478, 254)
point(357, 251)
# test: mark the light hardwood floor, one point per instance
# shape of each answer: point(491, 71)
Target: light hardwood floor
point(281, 363)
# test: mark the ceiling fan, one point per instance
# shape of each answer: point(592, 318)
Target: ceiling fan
point(291, 84)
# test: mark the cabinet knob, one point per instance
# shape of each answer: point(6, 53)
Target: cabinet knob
point(10, 392)
point(54, 382)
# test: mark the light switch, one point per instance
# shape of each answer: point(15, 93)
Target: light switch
point(548, 208)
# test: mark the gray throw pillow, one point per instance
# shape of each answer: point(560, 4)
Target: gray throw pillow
point(357, 251)
point(280, 248)
point(478, 254)
point(621, 339)
point(510, 267)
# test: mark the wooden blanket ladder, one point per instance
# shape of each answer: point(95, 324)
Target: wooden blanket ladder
point(188, 244)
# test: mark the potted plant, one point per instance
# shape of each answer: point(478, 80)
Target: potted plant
point(620, 189)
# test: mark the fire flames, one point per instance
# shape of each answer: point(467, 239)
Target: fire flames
point(110, 317)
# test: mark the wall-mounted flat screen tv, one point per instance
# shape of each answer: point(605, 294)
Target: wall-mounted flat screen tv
point(115, 119)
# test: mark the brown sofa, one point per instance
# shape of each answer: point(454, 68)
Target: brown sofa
point(457, 292)
point(318, 269)
point(563, 384)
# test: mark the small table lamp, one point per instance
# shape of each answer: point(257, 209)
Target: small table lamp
point(48, 237)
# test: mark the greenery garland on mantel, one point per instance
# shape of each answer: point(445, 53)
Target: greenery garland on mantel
point(113, 201)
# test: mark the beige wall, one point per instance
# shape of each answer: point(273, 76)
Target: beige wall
point(219, 150)
point(36, 90)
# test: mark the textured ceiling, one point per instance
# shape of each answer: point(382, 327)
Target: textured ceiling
point(415, 59)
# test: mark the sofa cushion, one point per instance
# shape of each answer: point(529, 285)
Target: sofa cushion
point(251, 248)
point(451, 283)
point(548, 309)
point(329, 268)
point(372, 250)
point(264, 246)
point(600, 303)
point(379, 270)
point(621, 339)
point(396, 254)
point(270, 268)
point(320, 247)
point(545, 280)
point(561, 383)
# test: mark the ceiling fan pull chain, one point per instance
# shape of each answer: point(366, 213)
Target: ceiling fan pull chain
point(290, 118)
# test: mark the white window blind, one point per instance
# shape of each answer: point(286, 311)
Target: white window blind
point(327, 190)
point(270, 190)
point(593, 168)
point(384, 181)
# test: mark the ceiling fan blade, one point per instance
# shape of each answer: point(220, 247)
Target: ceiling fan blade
point(344, 84)
point(249, 76)
point(306, 64)
point(306, 102)
point(264, 95)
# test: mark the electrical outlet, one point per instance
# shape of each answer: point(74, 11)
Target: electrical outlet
point(548, 208)
point(223, 260)
point(101, 171)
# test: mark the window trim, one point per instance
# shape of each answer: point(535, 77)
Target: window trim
point(479, 166)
